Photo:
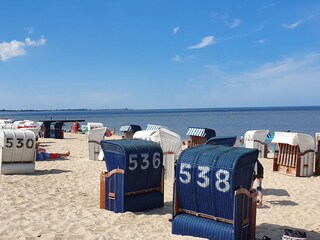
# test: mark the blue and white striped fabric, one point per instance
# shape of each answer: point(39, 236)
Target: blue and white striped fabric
point(125, 128)
point(153, 127)
point(199, 132)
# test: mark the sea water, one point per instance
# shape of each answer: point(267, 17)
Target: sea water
point(225, 121)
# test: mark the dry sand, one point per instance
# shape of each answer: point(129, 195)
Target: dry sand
point(61, 201)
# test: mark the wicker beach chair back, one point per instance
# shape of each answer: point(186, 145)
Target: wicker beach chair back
point(17, 151)
point(207, 178)
point(142, 180)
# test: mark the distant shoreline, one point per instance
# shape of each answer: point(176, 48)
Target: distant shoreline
point(169, 110)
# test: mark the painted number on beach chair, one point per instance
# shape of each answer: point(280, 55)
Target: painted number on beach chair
point(29, 143)
point(203, 180)
point(133, 162)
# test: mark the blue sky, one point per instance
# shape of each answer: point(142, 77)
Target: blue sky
point(158, 54)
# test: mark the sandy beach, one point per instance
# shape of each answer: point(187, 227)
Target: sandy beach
point(61, 201)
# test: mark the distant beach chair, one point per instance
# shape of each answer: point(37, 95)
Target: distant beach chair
point(171, 144)
point(199, 136)
point(225, 141)
point(17, 151)
point(317, 164)
point(295, 155)
point(58, 131)
point(93, 125)
point(256, 139)
point(129, 130)
point(212, 197)
point(134, 181)
point(94, 138)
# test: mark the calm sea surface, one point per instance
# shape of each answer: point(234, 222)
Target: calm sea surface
point(225, 121)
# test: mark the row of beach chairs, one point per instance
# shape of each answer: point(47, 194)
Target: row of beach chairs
point(213, 196)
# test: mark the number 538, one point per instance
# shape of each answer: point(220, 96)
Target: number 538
point(222, 177)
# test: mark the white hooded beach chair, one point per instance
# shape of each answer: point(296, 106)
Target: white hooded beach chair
point(93, 125)
point(295, 155)
point(170, 143)
point(17, 151)
point(94, 138)
point(317, 163)
point(256, 139)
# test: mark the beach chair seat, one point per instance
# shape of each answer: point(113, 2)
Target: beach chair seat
point(199, 135)
point(295, 155)
point(212, 197)
point(134, 181)
point(256, 139)
point(17, 151)
point(94, 138)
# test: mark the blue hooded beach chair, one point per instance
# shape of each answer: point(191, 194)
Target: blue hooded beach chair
point(134, 181)
point(212, 197)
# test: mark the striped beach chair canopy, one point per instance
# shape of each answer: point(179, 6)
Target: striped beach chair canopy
point(154, 127)
point(304, 141)
point(201, 132)
point(129, 128)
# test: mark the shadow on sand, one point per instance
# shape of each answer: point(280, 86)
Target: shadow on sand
point(275, 192)
point(276, 231)
point(51, 171)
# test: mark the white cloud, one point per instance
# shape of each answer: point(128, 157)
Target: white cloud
point(206, 41)
point(16, 48)
point(262, 41)
point(176, 58)
point(292, 25)
point(235, 23)
point(290, 81)
point(175, 30)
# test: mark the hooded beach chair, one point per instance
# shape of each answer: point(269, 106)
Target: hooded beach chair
point(17, 151)
point(134, 181)
point(129, 130)
point(256, 139)
point(295, 154)
point(199, 135)
point(93, 125)
point(317, 163)
point(94, 138)
point(212, 197)
point(58, 131)
point(170, 143)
